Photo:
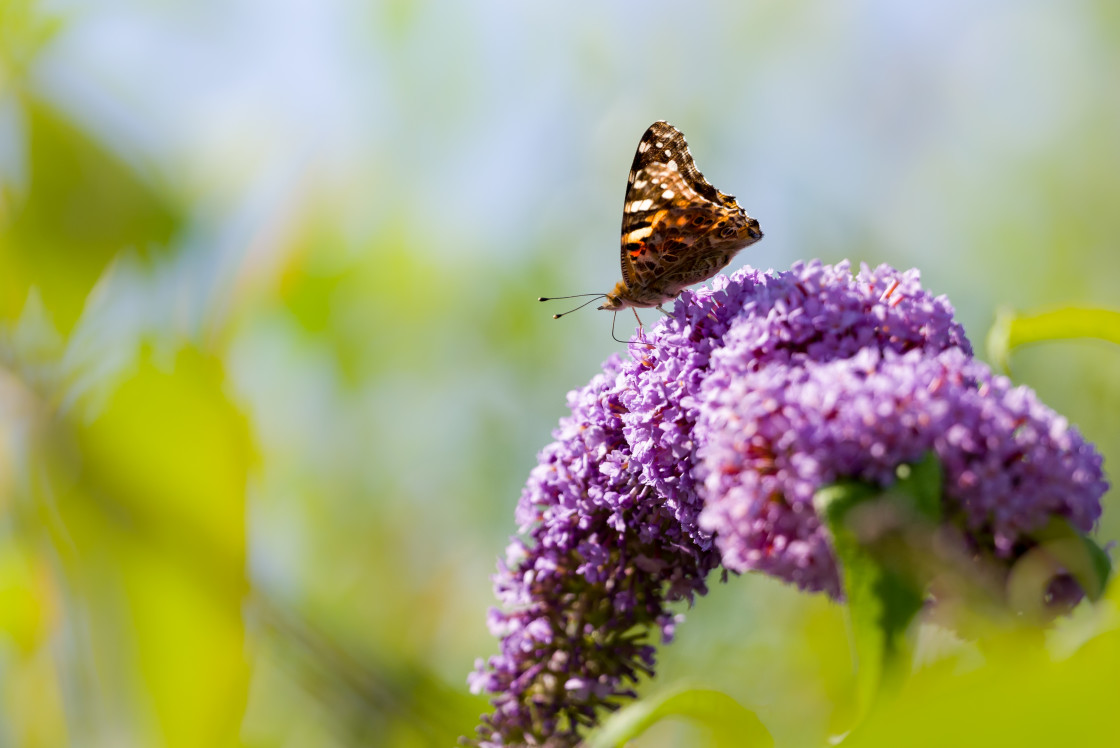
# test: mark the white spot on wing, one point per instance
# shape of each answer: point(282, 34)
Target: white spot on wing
point(637, 206)
point(637, 234)
point(668, 195)
point(643, 147)
point(668, 152)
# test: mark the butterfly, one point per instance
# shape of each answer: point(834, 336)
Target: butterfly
point(677, 229)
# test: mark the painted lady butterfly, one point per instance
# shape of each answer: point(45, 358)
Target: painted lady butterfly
point(677, 229)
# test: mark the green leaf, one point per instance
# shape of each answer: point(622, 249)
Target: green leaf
point(921, 482)
point(1101, 566)
point(1021, 695)
point(151, 490)
point(81, 206)
point(731, 724)
point(1065, 546)
point(23, 33)
point(872, 533)
point(834, 501)
point(1012, 330)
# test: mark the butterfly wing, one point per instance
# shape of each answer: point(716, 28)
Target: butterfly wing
point(677, 229)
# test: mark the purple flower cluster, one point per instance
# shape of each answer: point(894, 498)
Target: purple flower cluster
point(706, 448)
point(773, 437)
point(605, 556)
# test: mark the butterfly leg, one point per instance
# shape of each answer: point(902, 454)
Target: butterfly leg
point(641, 330)
point(662, 310)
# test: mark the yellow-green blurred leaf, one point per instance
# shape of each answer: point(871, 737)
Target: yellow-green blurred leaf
point(1012, 329)
point(32, 695)
point(25, 605)
point(1021, 697)
point(157, 517)
point(731, 724)
point(81, 205)
point(25, 29)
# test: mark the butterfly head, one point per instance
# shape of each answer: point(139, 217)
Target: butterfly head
point(616, 299)
point(751, 232)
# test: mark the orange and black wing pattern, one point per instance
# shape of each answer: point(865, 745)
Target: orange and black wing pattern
point(677, 229)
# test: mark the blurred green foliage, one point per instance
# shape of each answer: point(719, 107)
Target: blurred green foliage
point(263, 422)
point(80, 206)
point(729, 723)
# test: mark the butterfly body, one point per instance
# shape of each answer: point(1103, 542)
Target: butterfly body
point(677, 229)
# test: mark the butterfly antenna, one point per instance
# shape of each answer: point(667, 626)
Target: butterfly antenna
point(577, 296)
point(574, 296)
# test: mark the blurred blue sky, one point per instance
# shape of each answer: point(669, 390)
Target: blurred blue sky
point(967, 139)
point(488, 128)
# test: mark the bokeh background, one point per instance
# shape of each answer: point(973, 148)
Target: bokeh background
point(272, 369)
